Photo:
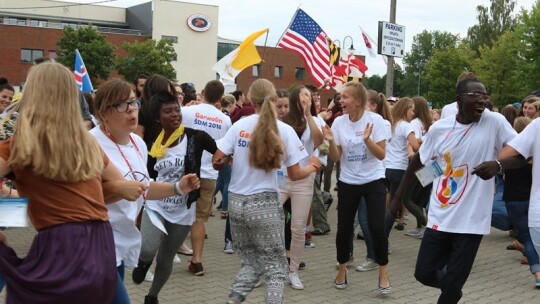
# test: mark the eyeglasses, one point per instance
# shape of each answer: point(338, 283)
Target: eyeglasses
point(180, 94)
point(122, 107)
point(477, 96)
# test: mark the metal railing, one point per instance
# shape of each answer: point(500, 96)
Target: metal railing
point(62, 25)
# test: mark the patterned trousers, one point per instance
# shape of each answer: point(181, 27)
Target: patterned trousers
point(257, 226)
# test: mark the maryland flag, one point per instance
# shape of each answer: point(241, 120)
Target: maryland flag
point(344, 67)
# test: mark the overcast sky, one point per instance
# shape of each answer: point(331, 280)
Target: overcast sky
point(341, 18)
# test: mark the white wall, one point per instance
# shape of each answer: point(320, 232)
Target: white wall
point(196, 51)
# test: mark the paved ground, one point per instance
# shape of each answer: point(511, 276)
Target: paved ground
point(497, 276)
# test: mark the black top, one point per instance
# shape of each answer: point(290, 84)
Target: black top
point(517, 184)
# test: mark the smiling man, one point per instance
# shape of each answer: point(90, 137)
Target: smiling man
point(461, 201)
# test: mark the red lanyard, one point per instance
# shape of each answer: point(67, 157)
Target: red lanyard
point(111, 137)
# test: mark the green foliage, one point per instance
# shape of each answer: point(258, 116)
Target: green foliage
point(378, 83)
point(492, 23)
point(423, 46)
point(97, 53)
point(149, 57)
point(442, 71)
point(498, 68)
point(528, 32)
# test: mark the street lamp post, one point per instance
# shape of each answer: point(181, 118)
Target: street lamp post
point(418, 74)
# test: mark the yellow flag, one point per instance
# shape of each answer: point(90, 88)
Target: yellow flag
point(242, 57)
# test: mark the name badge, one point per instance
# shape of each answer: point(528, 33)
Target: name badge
point(428, 173)
point(282, 184)
point(13, 212)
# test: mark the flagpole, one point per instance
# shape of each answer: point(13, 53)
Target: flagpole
point(294, 16)
point(264, 50)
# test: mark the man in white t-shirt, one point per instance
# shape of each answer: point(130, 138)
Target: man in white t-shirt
point(460, 204)
point(208, 118)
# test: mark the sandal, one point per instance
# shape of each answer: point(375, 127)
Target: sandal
point(342, 285)
point(400, 226)
point(384, 290)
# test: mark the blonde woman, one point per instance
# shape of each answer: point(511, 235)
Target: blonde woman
point(358, 140)
point(62, 179)
point(260, 144)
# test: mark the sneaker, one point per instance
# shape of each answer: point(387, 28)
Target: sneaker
point(229, 248)
point(185, 250)
point(367, 265)
point(150, 300)
point(328, 203)
point(294, 279)
point(413, 232)
point(149, 276)
point(349, 263)
point(420, 234)
point(309, 244)
point(400, 226)
point(177, 259)
point(196, 268)
point(140, 272)
point(360, 235)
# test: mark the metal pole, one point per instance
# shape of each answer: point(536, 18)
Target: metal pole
point(419, 74)
point(390, 66)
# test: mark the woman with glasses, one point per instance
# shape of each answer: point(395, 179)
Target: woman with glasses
point(117, 110)
point(178, 151)
point(67, 183)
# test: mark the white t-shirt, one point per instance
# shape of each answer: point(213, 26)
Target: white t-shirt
point(170, 169)
point(247, 180)
point(527, 144)
point(123, 214)
point(396, 149)
point(208, 118)
point(418, 127)
point(323, 158)
point(450, 109)
point(461, 202)
point(358, 165)
point(309, 145)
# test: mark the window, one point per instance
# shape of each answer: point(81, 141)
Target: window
point(299, 73)
point(52, 54)
point(12, 21)
point(173, 39)
point(33, 22)
point(29, 55)
point(277, 72)
point(256, 70)
point(21, 22)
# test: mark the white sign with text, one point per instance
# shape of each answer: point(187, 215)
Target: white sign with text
point(391, 39)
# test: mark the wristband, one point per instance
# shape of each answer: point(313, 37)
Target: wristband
point(500, 166)
point(176, 188)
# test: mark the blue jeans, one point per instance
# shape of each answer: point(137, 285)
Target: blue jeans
point(363, 221)
point(499, 214)
point(2, 283)
point(518, 212)
point(222, 185)
point(121, 296)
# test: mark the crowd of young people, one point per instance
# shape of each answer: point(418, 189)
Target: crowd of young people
point(130, 190)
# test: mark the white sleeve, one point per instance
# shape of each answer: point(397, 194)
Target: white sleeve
point(524, 141)
point(506, 132)
point(379, 130)
point(430, 144)
point(226, 143)
point(336, 130)
point(294, 149)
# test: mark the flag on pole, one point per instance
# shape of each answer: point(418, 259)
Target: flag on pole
point(307, 39)
point(81, 74)
point(369, 43)
point(243, 56)
point(344, 67)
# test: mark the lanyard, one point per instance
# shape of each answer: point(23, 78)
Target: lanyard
point(111, 137)
point(462, 136)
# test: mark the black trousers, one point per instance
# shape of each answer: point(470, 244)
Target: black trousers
point(348, 200)
point(445, 261)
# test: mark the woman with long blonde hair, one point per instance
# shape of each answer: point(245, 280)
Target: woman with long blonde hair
point(60, 168)
point(260, 144)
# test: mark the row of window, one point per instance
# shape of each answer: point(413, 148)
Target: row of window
point(299, 73)
point(29, 55)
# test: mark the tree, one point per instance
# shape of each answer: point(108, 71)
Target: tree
point(498, 68)
point(97, 53)
point(378, 83)
point(528, 31)
point(423, 46)
point(442, 71)
point(149, 57)
point(492, 23)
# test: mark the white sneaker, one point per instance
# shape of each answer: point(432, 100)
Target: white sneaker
point(295, 281)
point(421, 233)
point(413, 232)
point(309, 244)
point(229, 248)
point(177, 259)
point(367, 265)
point(149, 276)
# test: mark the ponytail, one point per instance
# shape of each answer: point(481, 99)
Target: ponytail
point(265, 147)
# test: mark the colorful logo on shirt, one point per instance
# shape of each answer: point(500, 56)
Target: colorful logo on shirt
point(244, 137)
point(453, 183)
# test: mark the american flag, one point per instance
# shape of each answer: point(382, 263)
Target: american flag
point(306, 38)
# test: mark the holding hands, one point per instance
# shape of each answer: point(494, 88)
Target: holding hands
point(189, 182)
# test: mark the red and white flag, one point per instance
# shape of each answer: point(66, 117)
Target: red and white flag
point(370, 44)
